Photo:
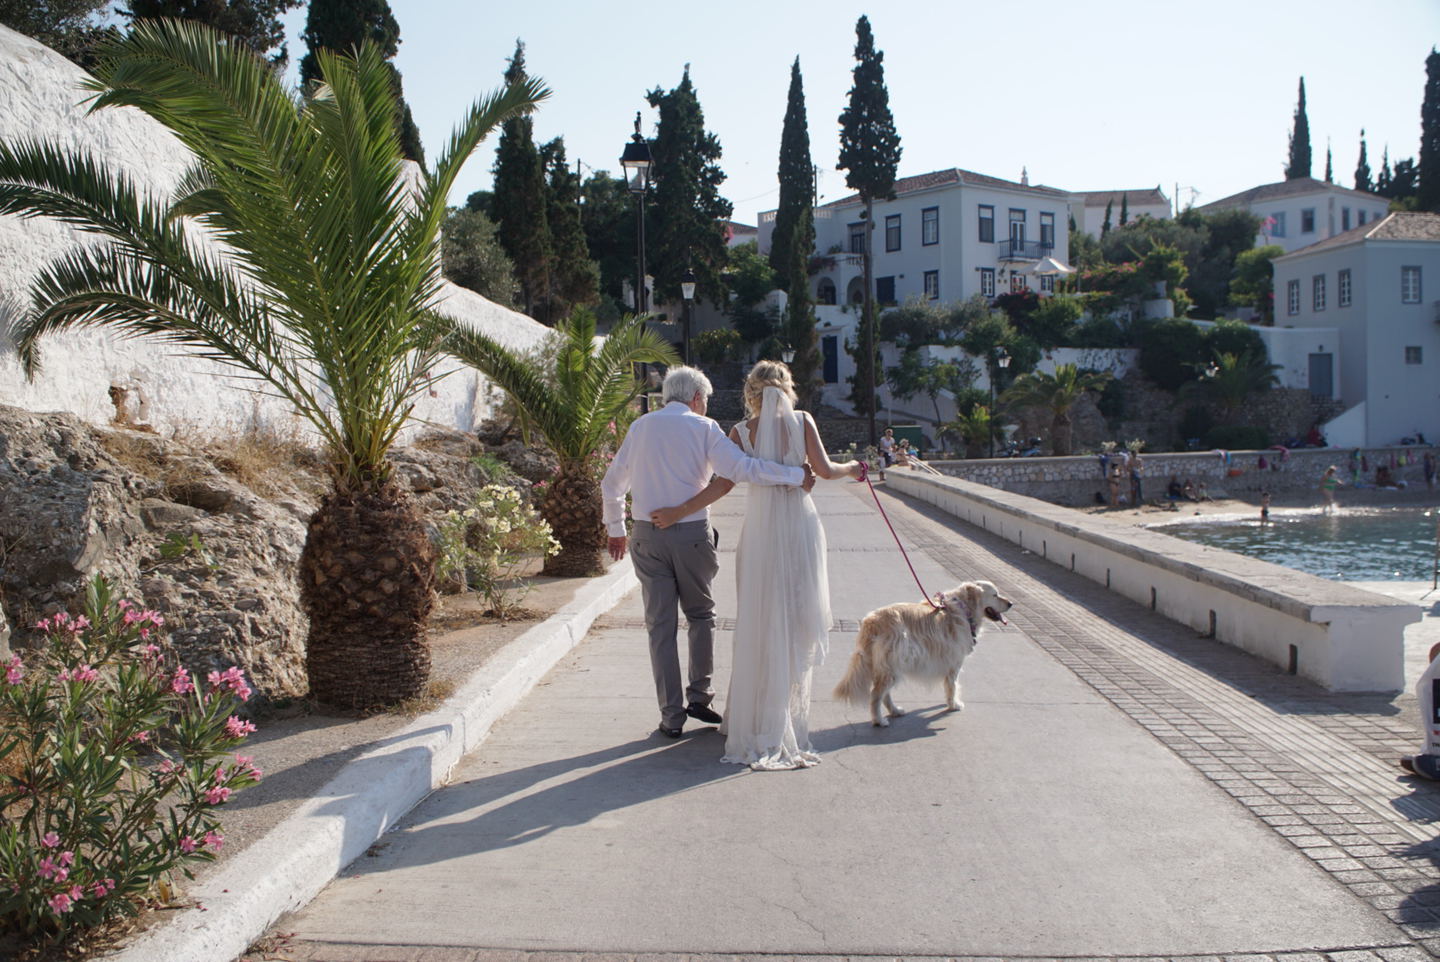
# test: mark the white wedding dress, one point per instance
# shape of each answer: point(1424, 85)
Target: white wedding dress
point(783, 610)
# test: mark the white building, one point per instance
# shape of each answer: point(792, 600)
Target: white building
point(1088, 207)
point(947, 236)
point(1368, 284)
point(1297, 213)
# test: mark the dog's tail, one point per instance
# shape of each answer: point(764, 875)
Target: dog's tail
point(855, 686)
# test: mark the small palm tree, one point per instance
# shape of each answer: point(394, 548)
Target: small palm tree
point(976, 426)
point(322, 293)
point(1057, 392)
point(574, 407)
point(1231, 379)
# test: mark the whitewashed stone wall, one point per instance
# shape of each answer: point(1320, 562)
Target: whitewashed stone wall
point(41, 99)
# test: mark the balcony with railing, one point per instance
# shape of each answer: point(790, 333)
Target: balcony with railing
point(1010, 249)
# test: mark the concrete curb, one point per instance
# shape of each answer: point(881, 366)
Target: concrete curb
point(294, 861)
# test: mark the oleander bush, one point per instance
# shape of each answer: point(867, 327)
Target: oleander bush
point(115, 761)
point(482, 546)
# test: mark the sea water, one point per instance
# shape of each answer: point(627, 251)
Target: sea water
point(1352, 544)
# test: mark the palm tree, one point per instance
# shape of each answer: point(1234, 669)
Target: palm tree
point(1230, 380)
point(322, 293)
point(574, 407)
point(1058, 392)
point(976, 427)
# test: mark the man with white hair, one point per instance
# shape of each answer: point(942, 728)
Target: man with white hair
point(667, 457)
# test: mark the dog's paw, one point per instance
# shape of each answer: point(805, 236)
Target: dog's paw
point(881, 722)
point(895, 711)
point(955, 706)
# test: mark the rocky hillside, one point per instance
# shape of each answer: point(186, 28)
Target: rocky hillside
point(209, 533)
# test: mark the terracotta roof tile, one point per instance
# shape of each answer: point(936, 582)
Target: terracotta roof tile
point(1400, 225)
point(1284, 188)
point(942, 178)
point(1146, 197)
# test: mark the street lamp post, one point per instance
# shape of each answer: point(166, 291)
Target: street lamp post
point(636, 161)
point(687, 291)
point(1002, 361)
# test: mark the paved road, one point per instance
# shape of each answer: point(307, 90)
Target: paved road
point(1115, 787)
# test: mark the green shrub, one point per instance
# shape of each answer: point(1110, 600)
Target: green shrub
point(116, 760)
point(1237, 437)
point(1195, 425)
point(716, 346)
point(1168, 350)
point(483, 545)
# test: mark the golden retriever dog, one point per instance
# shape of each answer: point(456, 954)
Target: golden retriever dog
point(918, 641)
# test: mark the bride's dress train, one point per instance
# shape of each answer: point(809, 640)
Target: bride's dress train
point(783, 610)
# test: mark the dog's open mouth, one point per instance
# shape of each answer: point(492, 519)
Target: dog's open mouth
point(994, 615)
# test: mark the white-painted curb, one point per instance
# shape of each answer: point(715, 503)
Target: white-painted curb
point(294, 861)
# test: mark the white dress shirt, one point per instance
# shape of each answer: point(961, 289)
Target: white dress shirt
point(667, 458)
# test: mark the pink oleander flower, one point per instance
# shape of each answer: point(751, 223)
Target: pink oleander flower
point(167, 767)
point(140, 737)
point(14, 670)
point(82, 674)
point(216, 794)
point(67, 859)
point(43, 624)
point(232, 678)
point(79, 624)
point(214, 840)
point(180, 683)
point(236, 727)
point(48, 868)
point(124, 603)
point(50, 840)
point(77, 893)
point(60, 902)
point(99, 889)
point(151, 650)
point(245, 765)
point(187, 844)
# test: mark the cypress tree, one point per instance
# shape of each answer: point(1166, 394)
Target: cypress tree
point(1299, 165)
point(256, 22)
point(519, 203)
point(1362, 168)
point(574, 278)
point(797, 180)
point(1109, 210)
point(1382, 179)
point(687, 219)
point(1429, 193)
point(341, 25)
point(800, 314)
point(1329, 167)
point(1124, 209)
point(870, 157)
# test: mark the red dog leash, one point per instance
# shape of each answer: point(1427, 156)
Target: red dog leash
point(865, 476)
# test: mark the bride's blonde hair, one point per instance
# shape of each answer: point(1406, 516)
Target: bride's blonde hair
point(766, 374)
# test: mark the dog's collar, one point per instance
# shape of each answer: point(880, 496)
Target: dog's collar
point(970, 619)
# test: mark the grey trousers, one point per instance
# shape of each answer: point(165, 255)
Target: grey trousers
point(675, 566)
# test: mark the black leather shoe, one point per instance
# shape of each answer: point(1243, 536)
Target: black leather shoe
point(704, 713)
point(669, 732)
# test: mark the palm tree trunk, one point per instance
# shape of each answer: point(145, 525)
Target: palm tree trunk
point(1062, 430)
point(574, 511)
point(367, 581)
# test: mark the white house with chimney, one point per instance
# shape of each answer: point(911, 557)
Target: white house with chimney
point(1301, 212)
point(1377, 288)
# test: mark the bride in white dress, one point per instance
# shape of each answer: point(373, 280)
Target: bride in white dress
point(782, 620)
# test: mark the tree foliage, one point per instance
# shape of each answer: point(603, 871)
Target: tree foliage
point(71, 27)
point(1298, 164)
point(1362, 168)
point(574, 277)
point(797, 184)
point(519, 204)
point(609, 219)
point(341, 26)
point(1057, 393)
point(1428, 193)
point(1253, 283)
point(473, 258)
point(256, 22)
point(686, 227)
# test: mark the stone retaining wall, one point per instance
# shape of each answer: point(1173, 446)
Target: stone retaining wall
point(1337, 635)
point(1077, 480)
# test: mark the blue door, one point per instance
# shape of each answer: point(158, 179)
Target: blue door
point(1322, 375)
point(829, 348)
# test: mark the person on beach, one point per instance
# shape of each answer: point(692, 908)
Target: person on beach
point(1328, 483)
point(1428, 466)
point(1265, 507)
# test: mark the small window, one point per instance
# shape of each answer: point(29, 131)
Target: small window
point(1047, 283)
point(1344, 218)
point(892, 232)
point(987, 281)
point(932, 285)
point(987, 223)
point(825, 291)
point(1017, 283)
point(1277, 228)
point(885, 289)
point(930, 226)
point(1307, 221)
point(1047, 230)
point(1342, 287)
point(1292, 297)
point(1361, 215)
point(1317, 292)
point(1413, 355)
point(1410, 285)
point(857, 238)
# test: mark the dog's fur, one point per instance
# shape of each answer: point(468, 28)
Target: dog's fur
point(917, 641)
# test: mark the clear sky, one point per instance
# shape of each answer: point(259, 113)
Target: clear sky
point(1104, 94)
